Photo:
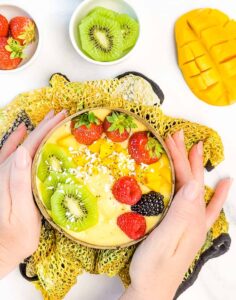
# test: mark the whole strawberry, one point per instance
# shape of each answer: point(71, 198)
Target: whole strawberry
point(4, 26)
point(11, 53)
point(117, 126)
point(23, 30)
point(126, 190)
point(144, 148)
point(86, 128)
point(132, 224)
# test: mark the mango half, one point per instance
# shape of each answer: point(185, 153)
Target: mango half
point(206, 47)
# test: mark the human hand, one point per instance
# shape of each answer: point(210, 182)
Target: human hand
point(20, 221)
point(160, 262)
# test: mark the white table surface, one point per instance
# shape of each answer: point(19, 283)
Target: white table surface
point(155, 57)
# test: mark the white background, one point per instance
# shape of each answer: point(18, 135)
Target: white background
point(156, 58)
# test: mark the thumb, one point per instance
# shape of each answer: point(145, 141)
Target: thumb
point(20, 181)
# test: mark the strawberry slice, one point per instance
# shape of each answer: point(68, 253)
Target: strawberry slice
point(126, 190)
point(144, 148)
point(11, 53)
point(117, 126)
point(23, 30)
point(86, 128)
point(132, 224)
point(4, 26)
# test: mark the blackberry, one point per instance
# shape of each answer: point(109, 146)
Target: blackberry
point(150, 204)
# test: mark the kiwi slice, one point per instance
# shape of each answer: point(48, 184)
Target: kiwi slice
point(48, 187)
point(74, 207)
point(130, 30)
point(53, 158)
point(104, 12)
point(101, 38)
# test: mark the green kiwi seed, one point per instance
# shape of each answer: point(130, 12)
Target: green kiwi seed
point(74, 207)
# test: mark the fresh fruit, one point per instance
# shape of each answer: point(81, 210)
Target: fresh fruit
point(54, 158)
point(74, 207)
point(86, 128)
point(104, 12)
point(150, 204)
point(106, 35)
point(106, 149)
point(144, 148)
point(101, 38)
point(68, 142)
point(11, 53)
point(126, 190)
point(4, 26)
point(130, 30)
point(157, 177)
point(95, 147)
point(132, 224)
point(206, 46)
point(117, 126)
point(48, 187)
point(23, 30)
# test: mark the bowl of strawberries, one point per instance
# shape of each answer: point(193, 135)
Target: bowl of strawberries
point(104, 178)
point(19, 38)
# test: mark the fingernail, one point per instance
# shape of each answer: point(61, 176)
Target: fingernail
point(200, 148)
point(170, 139)
point(191, 190)
point(21, 158)
point(63, 112)
point(49, 115)
point(181, 135)
point(22, 125)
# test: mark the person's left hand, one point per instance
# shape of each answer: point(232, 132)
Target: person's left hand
point(20, 221)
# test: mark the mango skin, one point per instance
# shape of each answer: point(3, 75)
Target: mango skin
point(206, 47)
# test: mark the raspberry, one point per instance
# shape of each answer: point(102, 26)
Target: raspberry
point(132, 224)
point(126, 190)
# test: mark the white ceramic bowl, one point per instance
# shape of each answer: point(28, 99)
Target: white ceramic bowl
point(84, 8)
point(10, 11)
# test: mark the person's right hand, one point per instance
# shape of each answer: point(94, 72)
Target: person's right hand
point(160, 262)
point(20, 220)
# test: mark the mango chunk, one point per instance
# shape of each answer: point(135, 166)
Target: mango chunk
point(95, 147)
point(197, 49)
point(68, 142)
point(224, 51)
point(203, 63)
point(214, 36)
point(206, 46)
point(191, 69)
point(187, 55)
point(229, 68)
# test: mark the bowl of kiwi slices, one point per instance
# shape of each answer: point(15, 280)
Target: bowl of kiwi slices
point(104, 32)
point(103, 178)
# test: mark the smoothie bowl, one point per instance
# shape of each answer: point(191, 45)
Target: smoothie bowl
point(104, 178)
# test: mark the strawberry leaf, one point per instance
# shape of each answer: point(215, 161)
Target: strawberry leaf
point(15, 48)
point(86, 119)
point(29, 34)
point(154, 147)
point(121, 122)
